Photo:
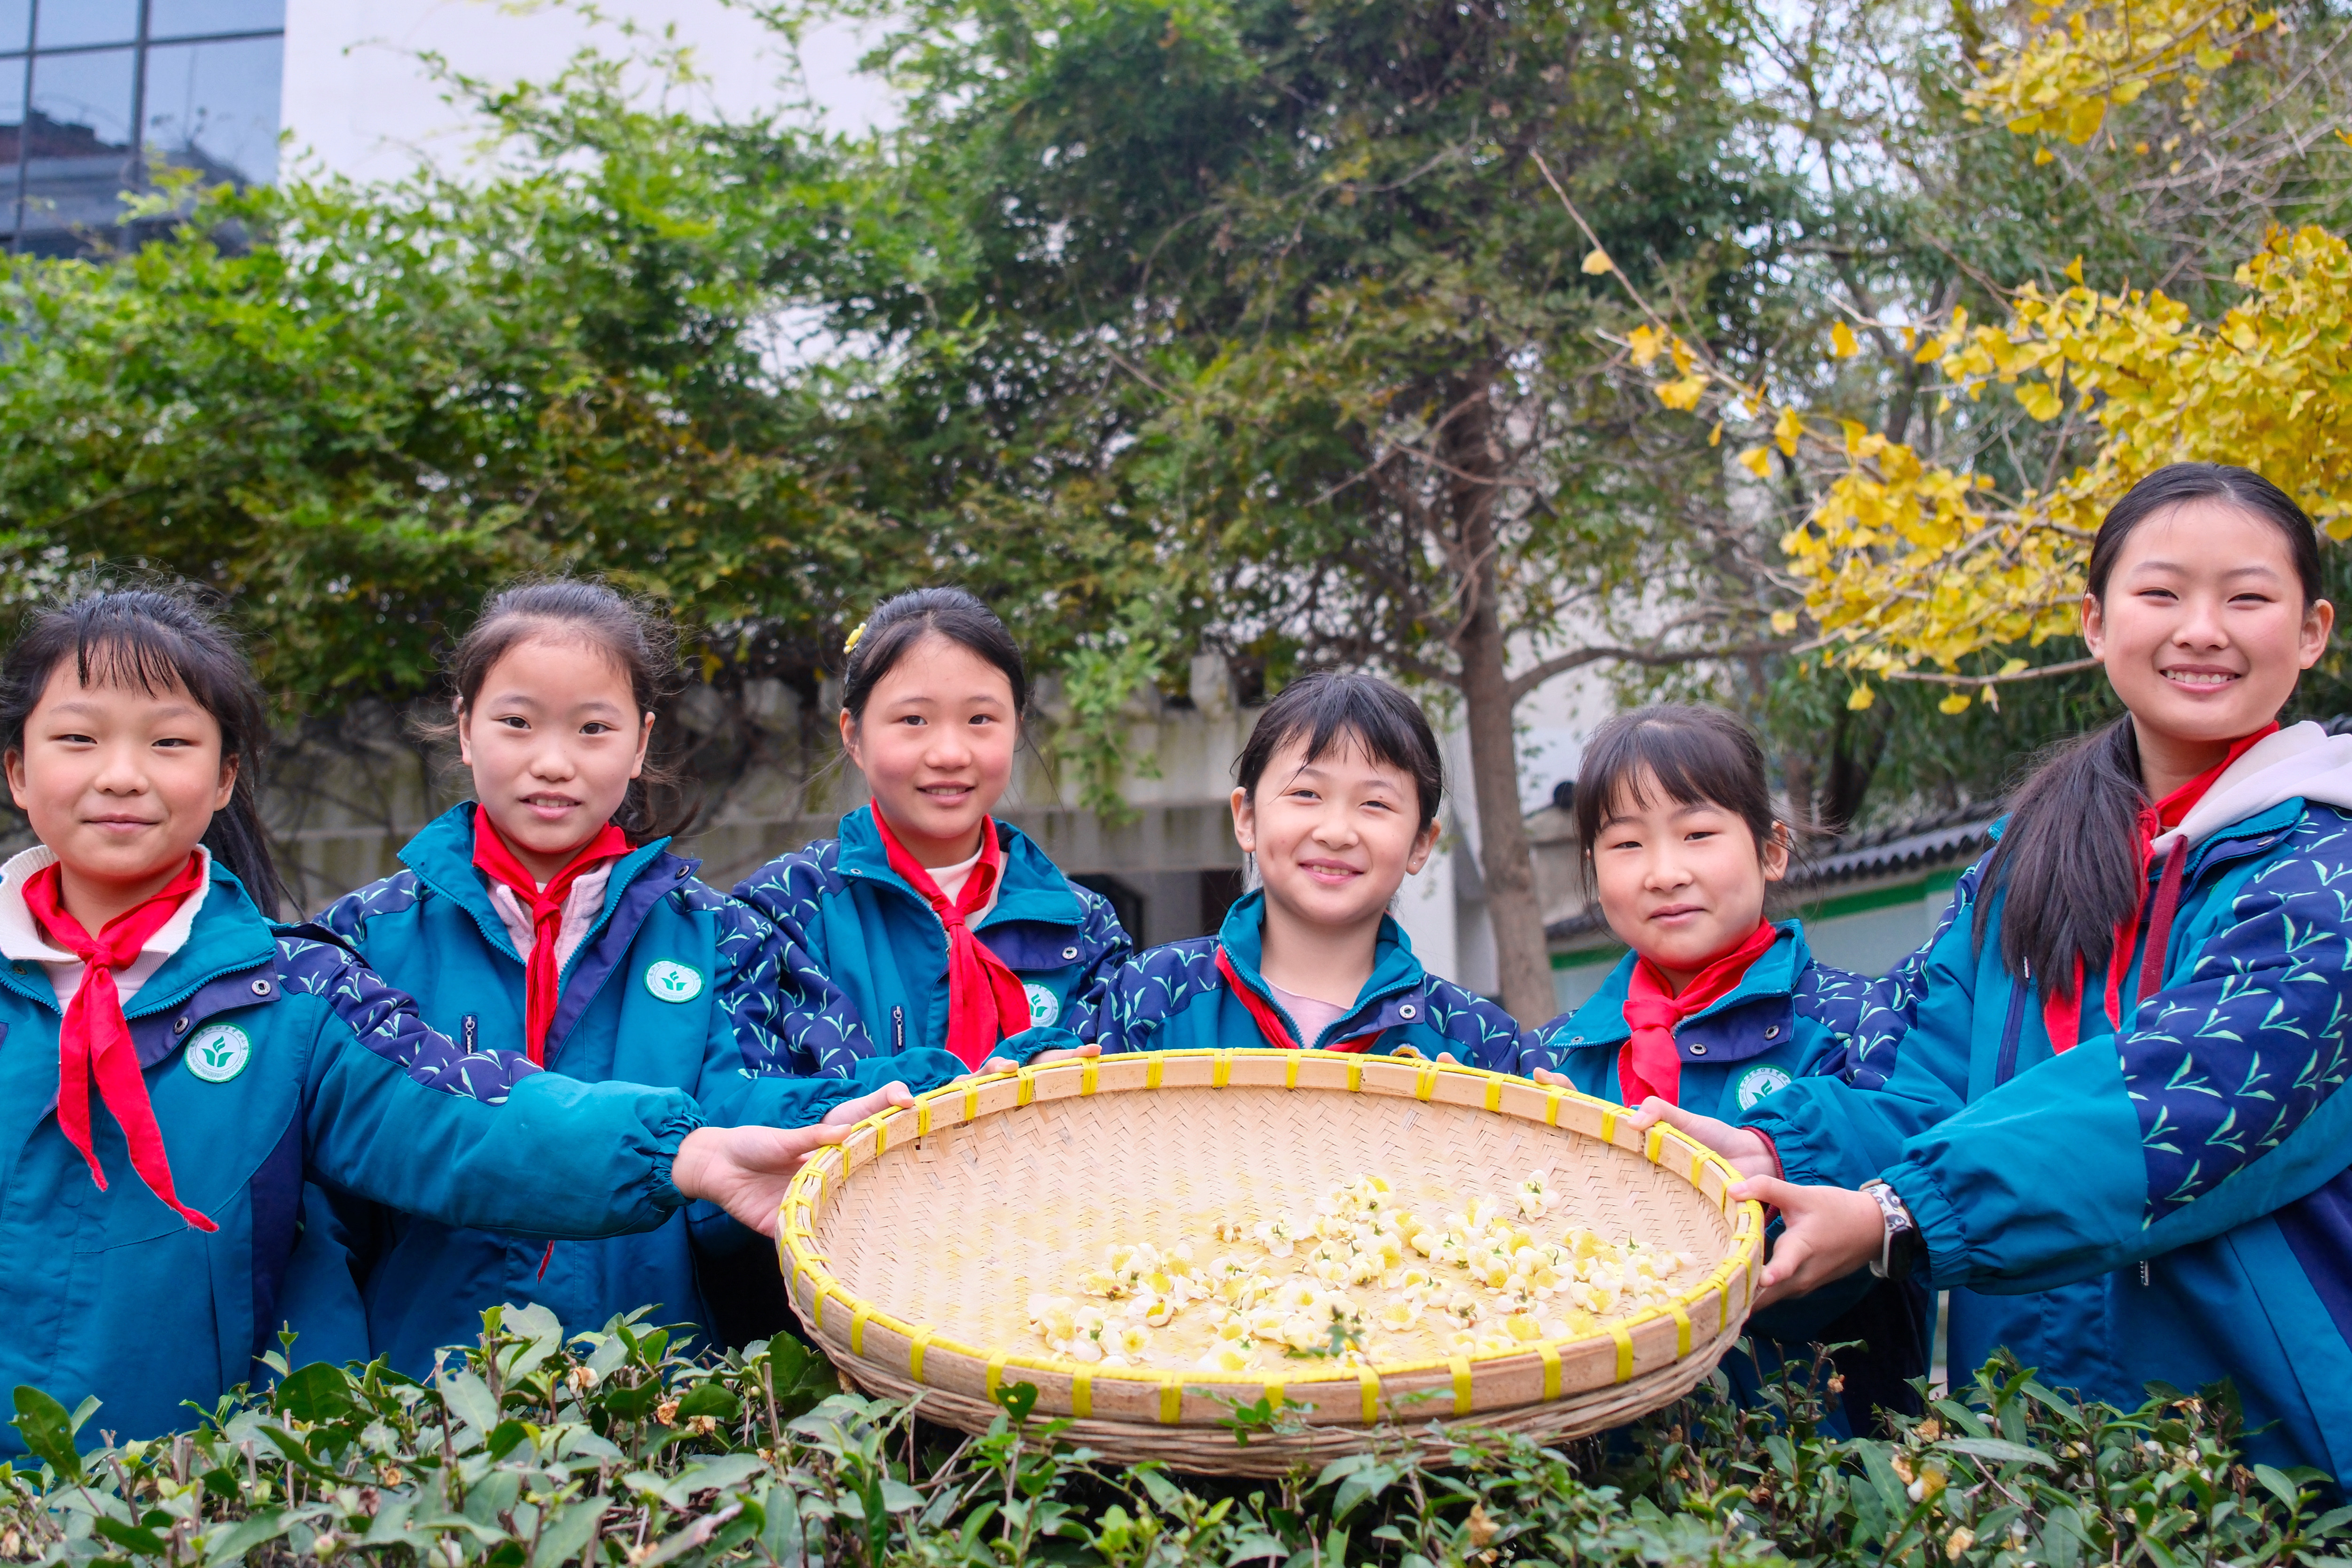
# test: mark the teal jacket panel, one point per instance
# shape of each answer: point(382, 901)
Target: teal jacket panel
point(876, 956)
point(272, 1060)
point(1174, 998)
point(1789, 1017)
point(2166, 1202)
point(675, 984)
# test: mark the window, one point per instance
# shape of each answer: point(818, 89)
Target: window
point(84, 85)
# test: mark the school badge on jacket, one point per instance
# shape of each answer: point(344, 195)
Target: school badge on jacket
point(672, 981)
point(219, 1053)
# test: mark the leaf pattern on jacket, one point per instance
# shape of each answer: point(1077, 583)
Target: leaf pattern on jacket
point(386, 1022)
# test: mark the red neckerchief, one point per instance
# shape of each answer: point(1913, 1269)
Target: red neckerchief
point(1648, 1062)
point(2064, 1018)
point(542, 969)
point(1269, 1022)
point(95, 1040)
point(986, 1000)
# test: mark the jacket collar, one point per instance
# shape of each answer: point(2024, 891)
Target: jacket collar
point(1773, 974)
point(228, 936)
point(442, 856)
point(1033, 887)
point(1388, 998)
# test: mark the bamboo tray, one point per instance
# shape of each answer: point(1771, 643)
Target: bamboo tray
point(910, 1249)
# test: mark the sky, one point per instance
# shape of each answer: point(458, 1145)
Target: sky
point(359, 101)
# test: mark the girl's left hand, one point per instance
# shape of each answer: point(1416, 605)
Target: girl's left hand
point(996, 1064)
point(1831, 1232)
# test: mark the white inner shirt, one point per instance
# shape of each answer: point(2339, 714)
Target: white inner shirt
point(950, 879)
point(21, 938)
point(582, 904)
point(1311, 1014)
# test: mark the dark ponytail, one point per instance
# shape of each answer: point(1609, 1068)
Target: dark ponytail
point(2070, 855)
point(157, 639)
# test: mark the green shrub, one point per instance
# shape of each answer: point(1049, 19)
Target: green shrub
point(614, 1449)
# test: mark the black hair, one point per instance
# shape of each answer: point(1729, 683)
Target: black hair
point(1334, 707)
point(904, 620)
point(1697, 755)
point(159, 639)
point(630, 631)
point(2070, 856)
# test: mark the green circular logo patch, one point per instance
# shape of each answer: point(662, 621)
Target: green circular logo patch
point(1759, 1082)
point(673, 981)
point(219, 1052)
point(1044, 1007)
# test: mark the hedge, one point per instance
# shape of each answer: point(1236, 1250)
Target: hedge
point(534, 1449)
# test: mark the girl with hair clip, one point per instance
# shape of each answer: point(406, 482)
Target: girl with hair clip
point(928, 922)
point(1715, 1006)
point(2116, 1130)
point(1337, 804)
point(176, 1068)
point(549, 913)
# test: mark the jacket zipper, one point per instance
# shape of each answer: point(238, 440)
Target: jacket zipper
point(2011, 1027)
point(897, 1031)
point(469, 1031)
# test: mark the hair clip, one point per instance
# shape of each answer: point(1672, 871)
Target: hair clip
point(855, 634)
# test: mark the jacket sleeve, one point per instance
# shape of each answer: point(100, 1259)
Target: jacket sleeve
point(1107, 947)
point(1904, 1066)
point(399, 1113)
point(1484, 1034)
point(2218, 1107)
point(752, 1069)
point(820, 1028)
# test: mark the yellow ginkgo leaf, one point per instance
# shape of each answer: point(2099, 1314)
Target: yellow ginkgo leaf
point(1860, 699)
point(1843, 345)
point(1957, 703)
point(1783, 622)
point(1785, 431)
point(1646, 342)
point(1715, 436)
point(1597, 262)
point(1758, 460)
point(1682, 394)
point(2074, 269)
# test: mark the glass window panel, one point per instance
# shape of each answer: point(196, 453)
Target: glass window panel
point(214, 106)
point(180, 18)
point(78, 139)
point(16, 23)
point(64, 22)
point(12, 133)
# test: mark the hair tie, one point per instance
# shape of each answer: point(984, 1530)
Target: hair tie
point(855, 634)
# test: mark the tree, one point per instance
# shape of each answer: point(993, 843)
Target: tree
point(1292, 282)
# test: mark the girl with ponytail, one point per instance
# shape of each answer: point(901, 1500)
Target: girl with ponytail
point(929, 922)
point(2114, 1130)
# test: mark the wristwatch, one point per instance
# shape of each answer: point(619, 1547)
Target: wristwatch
point(1901, 1244)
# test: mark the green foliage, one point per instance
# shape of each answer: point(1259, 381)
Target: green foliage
point(611, 1448)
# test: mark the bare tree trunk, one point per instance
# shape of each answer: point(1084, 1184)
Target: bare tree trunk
point(1522, 961)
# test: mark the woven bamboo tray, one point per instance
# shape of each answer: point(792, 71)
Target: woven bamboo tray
point(911, 1248)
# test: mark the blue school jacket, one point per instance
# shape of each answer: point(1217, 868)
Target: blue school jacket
point(1788, 1017)
point(878, 957)
point(271, 1059)
point(676, 985)
point(2170, 1203)
point(1174, 997)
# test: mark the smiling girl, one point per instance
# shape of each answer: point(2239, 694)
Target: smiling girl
point(550, 917)
point(1716, 1006)
point(1336, 804)
point(176, 1068)
point(2115, 1131)
point(928, 922)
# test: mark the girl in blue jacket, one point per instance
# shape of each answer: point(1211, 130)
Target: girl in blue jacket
point(929, 923)
point(2114, 1129)
point(551, 914)
point(1337, 804)
point(175, 1068)
point(1716, 1006)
